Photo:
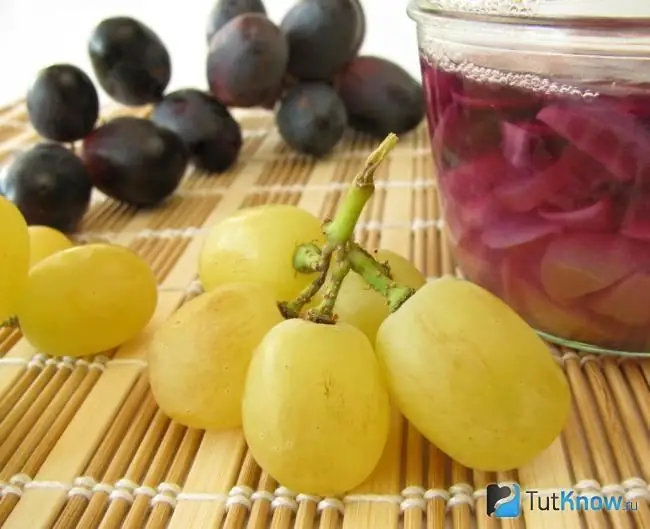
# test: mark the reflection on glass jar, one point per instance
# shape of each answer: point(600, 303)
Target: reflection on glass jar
point(541, 135)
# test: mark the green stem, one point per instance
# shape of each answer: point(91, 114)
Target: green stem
point(375, 275)
point(11, 323)
point(324, 313)
point(291, 309)
point(307, 258)
point(341, 229)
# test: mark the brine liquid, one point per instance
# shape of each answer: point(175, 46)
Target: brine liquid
point(546, 198)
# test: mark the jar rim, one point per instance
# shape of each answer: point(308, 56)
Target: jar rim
point(422, 10)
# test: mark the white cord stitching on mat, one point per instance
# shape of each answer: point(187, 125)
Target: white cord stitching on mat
point(100, 362)
point(414, 497)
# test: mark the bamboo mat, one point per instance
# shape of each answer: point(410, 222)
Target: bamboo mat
point(82, 443)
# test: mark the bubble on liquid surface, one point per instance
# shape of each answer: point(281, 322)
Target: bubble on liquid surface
point(524, 81)
point(488, 7)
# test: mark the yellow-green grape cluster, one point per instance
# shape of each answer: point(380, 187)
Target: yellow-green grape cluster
point(14, 258)
point(71, 300)
point(305, 356)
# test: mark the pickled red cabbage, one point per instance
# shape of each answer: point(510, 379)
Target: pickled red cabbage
point(494, 96)
point(529, 191)
point(613, 138)
point(477, 177)
point(516, 229)
point(572, 322)
point(547, 203)
point(579, 264)
point(628, 301)
point(597, 217)
point(526, 145)
point(438, 90)
point(636, 221)
point(465, 134)
point(478, 263)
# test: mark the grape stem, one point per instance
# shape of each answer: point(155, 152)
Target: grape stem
point(324, 313)
point(11, 323)
point(341, 229)
point(375, 274)
point(308, 259)
point(348, 255)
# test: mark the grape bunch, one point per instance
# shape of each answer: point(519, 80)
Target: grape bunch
point(308, 70)
point(138, 161)
point(109, 293)
point(303, 339)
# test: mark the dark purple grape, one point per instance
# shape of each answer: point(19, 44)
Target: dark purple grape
point(130, 61)
point(225, 10)
point(210, 133)
point(360, 34)
point(63, 104)
point(380, 97)
point(311, 118)
point(135, 161)
point(50, 186)
point(323, 36)
point(247, 61)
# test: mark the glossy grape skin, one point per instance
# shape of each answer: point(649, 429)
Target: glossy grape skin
point(360, 305)
point(315, 410)
point(247, 61)
point(87, 300)
point(257, 244)
point(323, 36)
point(63, 104)
point(311, 118)
point(14, 258)
point(380, 96)
point(472, 376)
point(130, 61)
point(224, 11)
point(206, 127)
point(45, 241)
point(134, 161)
point(50, 186)
point(198, 359)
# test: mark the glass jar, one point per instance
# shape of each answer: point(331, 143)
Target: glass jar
point(539, 119)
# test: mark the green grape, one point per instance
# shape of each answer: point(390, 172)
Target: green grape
point(472, 376)
point(45, 241)
point(87, 300)
point(315, 410)
point(198, 359)
point(360, 305)
point(14, 258)
point(257, 245)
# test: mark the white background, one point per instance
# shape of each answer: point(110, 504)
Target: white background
point(36, 33)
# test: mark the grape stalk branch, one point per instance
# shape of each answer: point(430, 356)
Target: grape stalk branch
point(341, 254)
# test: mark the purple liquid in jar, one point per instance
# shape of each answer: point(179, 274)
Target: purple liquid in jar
point(546, 199)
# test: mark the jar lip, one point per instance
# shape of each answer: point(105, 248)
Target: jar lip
point(422, 10)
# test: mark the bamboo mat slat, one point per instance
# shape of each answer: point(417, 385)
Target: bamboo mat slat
point(82, 443)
